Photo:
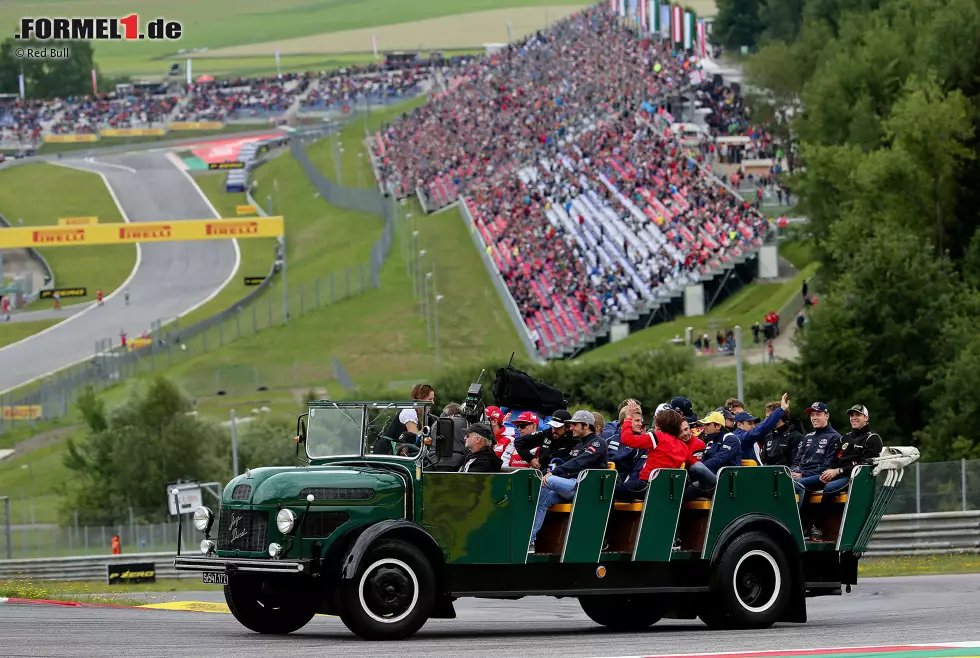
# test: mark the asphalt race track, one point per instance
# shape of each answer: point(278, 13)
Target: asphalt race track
point(883, 611)
point(172, 278)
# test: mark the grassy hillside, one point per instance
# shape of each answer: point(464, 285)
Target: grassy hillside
point(41, 193)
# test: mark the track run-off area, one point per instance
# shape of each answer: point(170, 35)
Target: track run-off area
point(168, 280)
point(908, 617)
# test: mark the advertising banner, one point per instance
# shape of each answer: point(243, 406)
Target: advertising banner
point(77, 221)
point(196, 125)
point(135, 572)
point(254, 280)
point(226, 165)
point(133, 132)
point(70, 139)
point(176, 231)
point(21, 412)
point(246, 210)
point(64, 292)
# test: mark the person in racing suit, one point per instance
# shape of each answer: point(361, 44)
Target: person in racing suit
point(555, 436)
point(506, 448)
point(562, 480)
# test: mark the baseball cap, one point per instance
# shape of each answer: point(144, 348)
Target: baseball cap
point(665, 406)
point(725, 413)
point(526, 417)
point(559, 418)
point(817, 406)
point(713, 417)
point(859, 409)
point(583, 416)
point(483, 430)
point(743, 416)
point(494, 413)
point(683, 405)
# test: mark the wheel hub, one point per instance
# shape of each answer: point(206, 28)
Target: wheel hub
point(756, 581)
point(388, 591)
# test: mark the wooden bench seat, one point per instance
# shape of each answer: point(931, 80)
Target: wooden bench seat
point(818, 498)
point(628, 507)
point(561, 507)
point(697, 504)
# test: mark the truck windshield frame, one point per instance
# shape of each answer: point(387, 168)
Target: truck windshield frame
point(347, 429)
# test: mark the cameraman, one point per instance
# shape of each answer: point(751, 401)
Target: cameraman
point(407, 420)
point(546, 440)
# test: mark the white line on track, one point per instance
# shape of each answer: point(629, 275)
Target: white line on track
point(804, 652)
point(72, 318)
point(92, 160)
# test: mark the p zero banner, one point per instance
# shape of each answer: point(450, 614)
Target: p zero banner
point(21, 412)
point(196, 125)
point(226, 165)
point(77, 221)
point(189, 229)
point(254, 280)
point(135, 572)
point(246, 210)
point(133, 132)
point(70, 139)
point(64, 292)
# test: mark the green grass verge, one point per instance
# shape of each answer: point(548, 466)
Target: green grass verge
point(798, 252)
point(11, 332)
point(39, 194)
point(745, 307)
point(919, 565)
point(73, 588)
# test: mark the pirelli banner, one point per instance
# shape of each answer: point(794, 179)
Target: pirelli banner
point(195, 125)
point(134, 572)
point(133, 132)
point(70, 139)
point(176, 231)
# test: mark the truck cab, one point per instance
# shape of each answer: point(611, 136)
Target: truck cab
point(387, 542)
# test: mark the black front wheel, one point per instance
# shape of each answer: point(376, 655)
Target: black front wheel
point(392, 595)
point(622, 612)
point(750, 584)
point(266, 609)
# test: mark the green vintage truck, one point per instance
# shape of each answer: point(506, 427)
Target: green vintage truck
point(388, 542)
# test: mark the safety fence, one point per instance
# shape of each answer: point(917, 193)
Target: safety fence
point(268, 305)
point(897, 535)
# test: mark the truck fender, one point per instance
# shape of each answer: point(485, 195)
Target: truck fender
point(394, 529)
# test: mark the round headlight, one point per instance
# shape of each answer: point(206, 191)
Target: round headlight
point(286, 521)
point(275, 550)
point(203, 517)
point(207, 546)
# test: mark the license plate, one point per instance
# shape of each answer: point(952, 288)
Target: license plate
point(211, 578)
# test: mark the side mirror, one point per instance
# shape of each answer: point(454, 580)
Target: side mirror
point(445, 434)
point(300, 432)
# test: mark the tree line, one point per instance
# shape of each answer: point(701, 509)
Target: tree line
point(46, 78)
point(886, 126)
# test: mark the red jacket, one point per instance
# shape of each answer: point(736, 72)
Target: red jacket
point(507, 450)
point(695, 447)
point(663, 450)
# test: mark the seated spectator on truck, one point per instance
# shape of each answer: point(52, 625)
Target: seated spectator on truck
point(722, 448)
point(695, 446)
point(560, 483)
point(779, 448)
point(624, 457)
point(629, 461)
point(750, 431)
point(685, 408)
point(506, 448)
point(857, 447)
point(545, 441)
point(407, 420)
point(818, 447)
point(480, 457)
point(663, 445)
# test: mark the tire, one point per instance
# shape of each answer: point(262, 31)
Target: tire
point(268, 612)
point(392, 595)
point(622, 612)
point(750, 584)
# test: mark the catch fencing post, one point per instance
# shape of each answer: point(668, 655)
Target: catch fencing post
point(738, 362)
point(234, 444)
point(316, 291)
point(6, 517)
point(963, 477)
point(918, 488)
point(285, 287)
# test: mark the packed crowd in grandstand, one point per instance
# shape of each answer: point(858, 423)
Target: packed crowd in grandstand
point(562, 149)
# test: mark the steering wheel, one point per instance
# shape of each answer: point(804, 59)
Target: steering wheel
point(410, 450)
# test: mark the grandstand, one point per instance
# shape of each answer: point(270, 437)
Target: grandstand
point(591, 211)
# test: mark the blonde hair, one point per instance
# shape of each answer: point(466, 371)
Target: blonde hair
point(600, 422)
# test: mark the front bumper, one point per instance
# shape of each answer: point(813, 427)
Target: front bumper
point(241, 565)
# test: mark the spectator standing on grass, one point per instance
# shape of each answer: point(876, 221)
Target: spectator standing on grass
point(772, 352)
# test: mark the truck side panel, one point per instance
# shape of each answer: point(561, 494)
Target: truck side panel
point(661, 509)
point(744, 490)
point(469, 515)
point(857, 511)
point(525, 486)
